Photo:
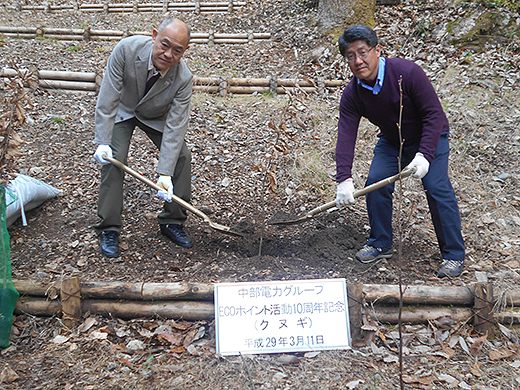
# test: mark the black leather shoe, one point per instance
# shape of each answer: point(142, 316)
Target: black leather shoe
point(109, 243)
point(177, 234)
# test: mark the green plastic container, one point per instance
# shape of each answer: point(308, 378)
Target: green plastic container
point(8, 294)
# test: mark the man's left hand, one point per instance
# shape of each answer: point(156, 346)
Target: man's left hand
point(421, 164)
point(165, 182)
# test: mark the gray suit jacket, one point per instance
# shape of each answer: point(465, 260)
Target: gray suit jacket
point(165, 108)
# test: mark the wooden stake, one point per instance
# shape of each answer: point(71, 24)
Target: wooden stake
point(483, 308)
point(70, 302)
point(355, 304)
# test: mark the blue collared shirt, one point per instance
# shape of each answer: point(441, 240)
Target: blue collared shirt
point(380, 78)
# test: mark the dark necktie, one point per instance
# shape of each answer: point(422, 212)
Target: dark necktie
point(151, 81)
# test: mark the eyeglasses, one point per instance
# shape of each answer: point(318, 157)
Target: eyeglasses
point(360, 54)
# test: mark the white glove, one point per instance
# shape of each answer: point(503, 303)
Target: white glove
point(102, 149)
point(166, 193)
point(345, 193)
point(422, 165)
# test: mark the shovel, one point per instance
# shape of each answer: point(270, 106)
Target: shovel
point(314, 212)
point(176, 199)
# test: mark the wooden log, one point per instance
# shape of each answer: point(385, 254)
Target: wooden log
point(118, 33)
point(261, 35)
point(208, 89)
point(374, 293)
point(248, 82)
point(21, 35)
point(65, 31)
point(199, 35)
point(10, 29)
point(205, 80)
point(37, 307)
point(39, 289)
point(333, 83)
point(122, 290)
point(104, 38)
point(187, 310)
point(293, 82)
point(230, 41)
point(355, 305)
point(70, 76)
point(231, 36)
point(245, 90)
point(64, 37)
point(483, 307)
point(147, 291)
point(61, 84)
point(194, 311)
point(418, 315)
point(508, 317)
point(70, 302)
point(422, 295)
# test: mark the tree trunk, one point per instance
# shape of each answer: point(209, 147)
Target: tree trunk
point(335, 15)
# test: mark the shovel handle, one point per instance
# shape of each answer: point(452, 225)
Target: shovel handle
point(372, 187)
point(150, 183)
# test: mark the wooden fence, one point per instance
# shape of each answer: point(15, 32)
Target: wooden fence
point(135, 7)
point(89, 34)
point(194, 301)
point(90, 82)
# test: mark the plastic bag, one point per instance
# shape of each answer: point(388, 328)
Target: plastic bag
point(8, 294)
point(25, 193)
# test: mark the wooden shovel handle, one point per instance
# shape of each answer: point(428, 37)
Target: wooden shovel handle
point(372, 187)
point(147, 181)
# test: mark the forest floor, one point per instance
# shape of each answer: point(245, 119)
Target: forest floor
point(243, 174)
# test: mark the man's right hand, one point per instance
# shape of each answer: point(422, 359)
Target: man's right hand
point(345, 193)
point(102, 149)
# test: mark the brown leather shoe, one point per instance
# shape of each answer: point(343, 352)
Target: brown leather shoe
point(177, 234)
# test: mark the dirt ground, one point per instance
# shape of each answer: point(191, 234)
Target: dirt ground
point(234, 151)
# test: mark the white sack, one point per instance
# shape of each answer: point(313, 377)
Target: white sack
point(23, 194)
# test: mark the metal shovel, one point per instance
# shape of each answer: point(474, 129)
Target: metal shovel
point(176, 199)
point(314, 212)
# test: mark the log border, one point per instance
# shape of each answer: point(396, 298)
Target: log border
point(164, 6)
point(194, 301)
point(91, 82)
point(88, 34)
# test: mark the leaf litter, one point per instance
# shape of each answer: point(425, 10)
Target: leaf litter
point(270, 163)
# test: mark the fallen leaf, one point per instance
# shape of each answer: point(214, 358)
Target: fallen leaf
point(422, 381)
point(59, 339)
point(500, 354)
point(8, 375)
point(168, 337)
point(87, 324)
point(177, 350)
point(353, 384)
point(477, 345)
point(475, 370)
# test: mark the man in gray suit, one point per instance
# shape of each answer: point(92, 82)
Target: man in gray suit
point(147, 85)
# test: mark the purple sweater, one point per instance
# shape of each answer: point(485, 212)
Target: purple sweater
point(423, 119)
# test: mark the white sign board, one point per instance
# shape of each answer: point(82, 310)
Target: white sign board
point(281, 316)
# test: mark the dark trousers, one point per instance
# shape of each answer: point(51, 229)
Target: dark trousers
point(110, 202)
point(443, 205)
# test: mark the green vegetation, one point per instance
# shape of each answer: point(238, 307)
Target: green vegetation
point(512, 5)
point(73, 48)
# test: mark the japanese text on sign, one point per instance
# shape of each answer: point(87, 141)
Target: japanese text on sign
point(285, 316)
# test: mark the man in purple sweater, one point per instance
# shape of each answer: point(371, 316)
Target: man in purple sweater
point(375, 93)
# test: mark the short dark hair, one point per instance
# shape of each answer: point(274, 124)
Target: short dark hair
point(357, 33)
